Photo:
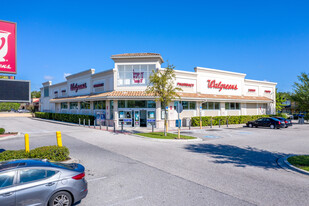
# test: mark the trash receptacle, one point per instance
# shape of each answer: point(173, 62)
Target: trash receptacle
point(186, 122)
point(178, 122)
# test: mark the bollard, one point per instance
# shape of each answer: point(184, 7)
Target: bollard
point(106, 125)
point(152, 125)
point(211, 123)
point(78, 121)
point(100, 125)
point(84, 123)
point(227, 123)
point(59, 140)
point(121, 126)
point(190, 124)
point(114, 127)
point(219, 123)
point(89, 123)
point(27, 143)
point(94, 124)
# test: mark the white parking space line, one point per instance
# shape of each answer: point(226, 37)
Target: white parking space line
point(127, 201)
point(95, 179)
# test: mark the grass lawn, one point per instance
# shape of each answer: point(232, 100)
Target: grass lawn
point(160, 135)
point(301, 161)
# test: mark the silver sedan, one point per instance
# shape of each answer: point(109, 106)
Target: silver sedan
point(40, 182)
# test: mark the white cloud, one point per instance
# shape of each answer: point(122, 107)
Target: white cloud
point(48, 77)
point(66, 74)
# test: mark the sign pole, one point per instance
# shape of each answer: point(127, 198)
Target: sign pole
point(178, 122)
point(200, 117)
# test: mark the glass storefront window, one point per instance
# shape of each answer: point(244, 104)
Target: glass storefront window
point(192, 105)
point(73, 105)
point(151, 115)
point(64, 105)
point(211, 105)
point(121, 104)
point(185, 105)
point(46, 91)
point(136, 104)
point(237, 106)
point(140, 104)
point(99, 105)
point(217, 105)
point(134, 74)
point(227, 105)
point(151, 104)
point(85, 105)
point(232, 106)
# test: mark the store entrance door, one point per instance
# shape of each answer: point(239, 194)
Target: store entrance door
point(143, 118)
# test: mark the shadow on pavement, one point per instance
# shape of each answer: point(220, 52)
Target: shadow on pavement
point(238, 156)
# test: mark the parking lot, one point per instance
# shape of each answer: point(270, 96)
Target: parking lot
point(231, 166)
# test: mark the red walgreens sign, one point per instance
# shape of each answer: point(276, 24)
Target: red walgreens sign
point(220, 86)
point(7, 47)
point(76, 87)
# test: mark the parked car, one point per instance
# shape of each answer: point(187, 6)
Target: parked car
point(267, 122)
point(40, 182)
point(23, 111)
point(287, 122)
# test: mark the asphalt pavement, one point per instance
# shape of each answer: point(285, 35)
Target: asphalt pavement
point(235, 166)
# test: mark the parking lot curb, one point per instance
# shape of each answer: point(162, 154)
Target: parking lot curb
point(284, 163)
point(168, 140)
point(71, 160)
point(10, 136)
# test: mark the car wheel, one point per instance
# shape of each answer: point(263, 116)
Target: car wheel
point(250, 125)
point(272, 126)
point(286, 126)
point(60, 198)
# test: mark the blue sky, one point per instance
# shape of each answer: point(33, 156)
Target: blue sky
point(267, 40)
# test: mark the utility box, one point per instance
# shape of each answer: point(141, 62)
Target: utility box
point(186, 122)
point(178, 122)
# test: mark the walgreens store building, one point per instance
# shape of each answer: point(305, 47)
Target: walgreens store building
point(118, 95)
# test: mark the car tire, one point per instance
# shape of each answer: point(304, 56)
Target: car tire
point(286, 126)
point(272, 126)
point(61, 196)
point(250, 125)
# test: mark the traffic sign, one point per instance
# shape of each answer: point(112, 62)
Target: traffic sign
point(166, 108)
point(179, 108)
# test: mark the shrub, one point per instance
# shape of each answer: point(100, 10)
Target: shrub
point(73, 118)
point(53, 153)
point(2, 130)
point(306, 117)
point(207, 120)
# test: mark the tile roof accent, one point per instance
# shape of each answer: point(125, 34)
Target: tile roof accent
point(136, 54)
point(139, 94)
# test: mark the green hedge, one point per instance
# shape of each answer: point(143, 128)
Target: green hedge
point(2, 130)
point(74, 118)
point(242, 119)
point(53, 153)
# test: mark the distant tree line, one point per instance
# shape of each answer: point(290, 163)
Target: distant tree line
point(300, 94)
point(8, 106)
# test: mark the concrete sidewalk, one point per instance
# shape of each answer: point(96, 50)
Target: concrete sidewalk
point(140, 129)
